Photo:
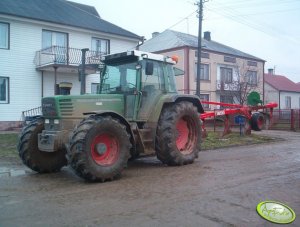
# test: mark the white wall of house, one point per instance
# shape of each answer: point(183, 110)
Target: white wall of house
point(17, 63)
point(294, 98)
point(271, 94)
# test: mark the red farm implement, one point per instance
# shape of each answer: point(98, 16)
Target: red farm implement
point(252, 117)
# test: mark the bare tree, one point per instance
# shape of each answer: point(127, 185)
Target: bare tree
point(240, 82)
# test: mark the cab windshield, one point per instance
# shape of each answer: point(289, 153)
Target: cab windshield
point(118, 78)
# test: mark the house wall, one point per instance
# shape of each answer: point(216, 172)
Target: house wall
point(295, 99)
point(187, 57)
point(271, 94)
point(17, 63)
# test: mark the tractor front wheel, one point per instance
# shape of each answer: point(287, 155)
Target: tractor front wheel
point(99, 148)
point(35, 159)
point(178, 134)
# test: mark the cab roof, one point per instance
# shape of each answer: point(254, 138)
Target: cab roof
point(136, 55)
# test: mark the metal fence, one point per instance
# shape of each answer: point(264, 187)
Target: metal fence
point(288, 119)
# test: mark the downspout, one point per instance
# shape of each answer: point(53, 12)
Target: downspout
point(279, 101)
point(186, 67)
point(55, 79)
point(42, 85)
point(263, 82)
point(140, 44)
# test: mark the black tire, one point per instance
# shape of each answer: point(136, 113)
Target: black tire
point(257, 121)
point(35, 159)
point(93, 134)
point(173, 148)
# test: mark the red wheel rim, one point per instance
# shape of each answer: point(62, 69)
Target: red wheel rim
point(105, 149)
point(260, 122)
point(186, 137)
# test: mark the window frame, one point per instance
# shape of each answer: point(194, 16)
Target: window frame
point(249, 74)
point(202, 70)
point(7, 90)
point(226, 99)
point(288, 102)
point(96, 51)
point(204, 105)
point(52, 31)
point(8, 36)
point(231, 78)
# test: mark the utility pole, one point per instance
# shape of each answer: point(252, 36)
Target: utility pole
point(200, 16)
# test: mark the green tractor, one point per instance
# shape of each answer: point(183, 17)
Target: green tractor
point(136, 112)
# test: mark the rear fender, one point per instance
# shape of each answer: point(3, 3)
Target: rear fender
point(169, 99)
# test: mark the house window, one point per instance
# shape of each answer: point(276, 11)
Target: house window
point(4, 35)
point(4, 90)
point(226, 98)
point(229, 59)
point(251, 63)
point(288, 102)
point(52, 38)
point(55, 43)
point(203, 54)
point(204, 97)
point(100, 46)
point(226, 75)
point(204, 73)
point(251, 77)
point(95, 88)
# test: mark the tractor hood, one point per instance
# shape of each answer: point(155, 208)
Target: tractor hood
point(74, 106)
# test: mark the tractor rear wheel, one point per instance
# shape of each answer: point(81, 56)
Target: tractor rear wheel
point(257, 121)
point(99, 148)
point(178, 134)
point(35, 159)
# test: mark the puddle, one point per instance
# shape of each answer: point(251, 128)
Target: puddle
point(6, 172)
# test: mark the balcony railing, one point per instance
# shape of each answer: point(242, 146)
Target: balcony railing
point(228, 86)
point(58, 55)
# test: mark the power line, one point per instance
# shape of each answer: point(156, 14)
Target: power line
point(182, 19)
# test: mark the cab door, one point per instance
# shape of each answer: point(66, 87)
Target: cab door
point(152, 88)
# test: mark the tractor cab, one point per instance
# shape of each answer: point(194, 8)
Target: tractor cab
point(141, 77)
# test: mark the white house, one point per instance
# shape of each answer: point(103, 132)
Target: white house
point(281, 90)
point(40, 47)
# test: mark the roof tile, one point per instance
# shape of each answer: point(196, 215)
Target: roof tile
point(62, 12)
point(281, 83)
point(170, 39)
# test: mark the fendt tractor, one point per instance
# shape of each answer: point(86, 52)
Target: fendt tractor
point(136, 111)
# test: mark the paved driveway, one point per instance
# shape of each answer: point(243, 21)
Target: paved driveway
point(222, 188)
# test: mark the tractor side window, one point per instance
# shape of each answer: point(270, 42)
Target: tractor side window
point(156, 80)
point(171, 86)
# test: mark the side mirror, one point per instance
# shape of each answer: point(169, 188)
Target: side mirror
point(149, 68)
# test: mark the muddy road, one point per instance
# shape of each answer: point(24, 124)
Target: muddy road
point(222, 188)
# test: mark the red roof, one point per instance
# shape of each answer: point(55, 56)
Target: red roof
point(281, 83)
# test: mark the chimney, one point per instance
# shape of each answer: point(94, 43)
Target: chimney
point(207, 36)
point(270, 71)
point(154, 34)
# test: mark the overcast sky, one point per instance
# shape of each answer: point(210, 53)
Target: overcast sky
point(268, 29)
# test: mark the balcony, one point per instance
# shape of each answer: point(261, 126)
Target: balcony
point(224, 86)
point(66, 59)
